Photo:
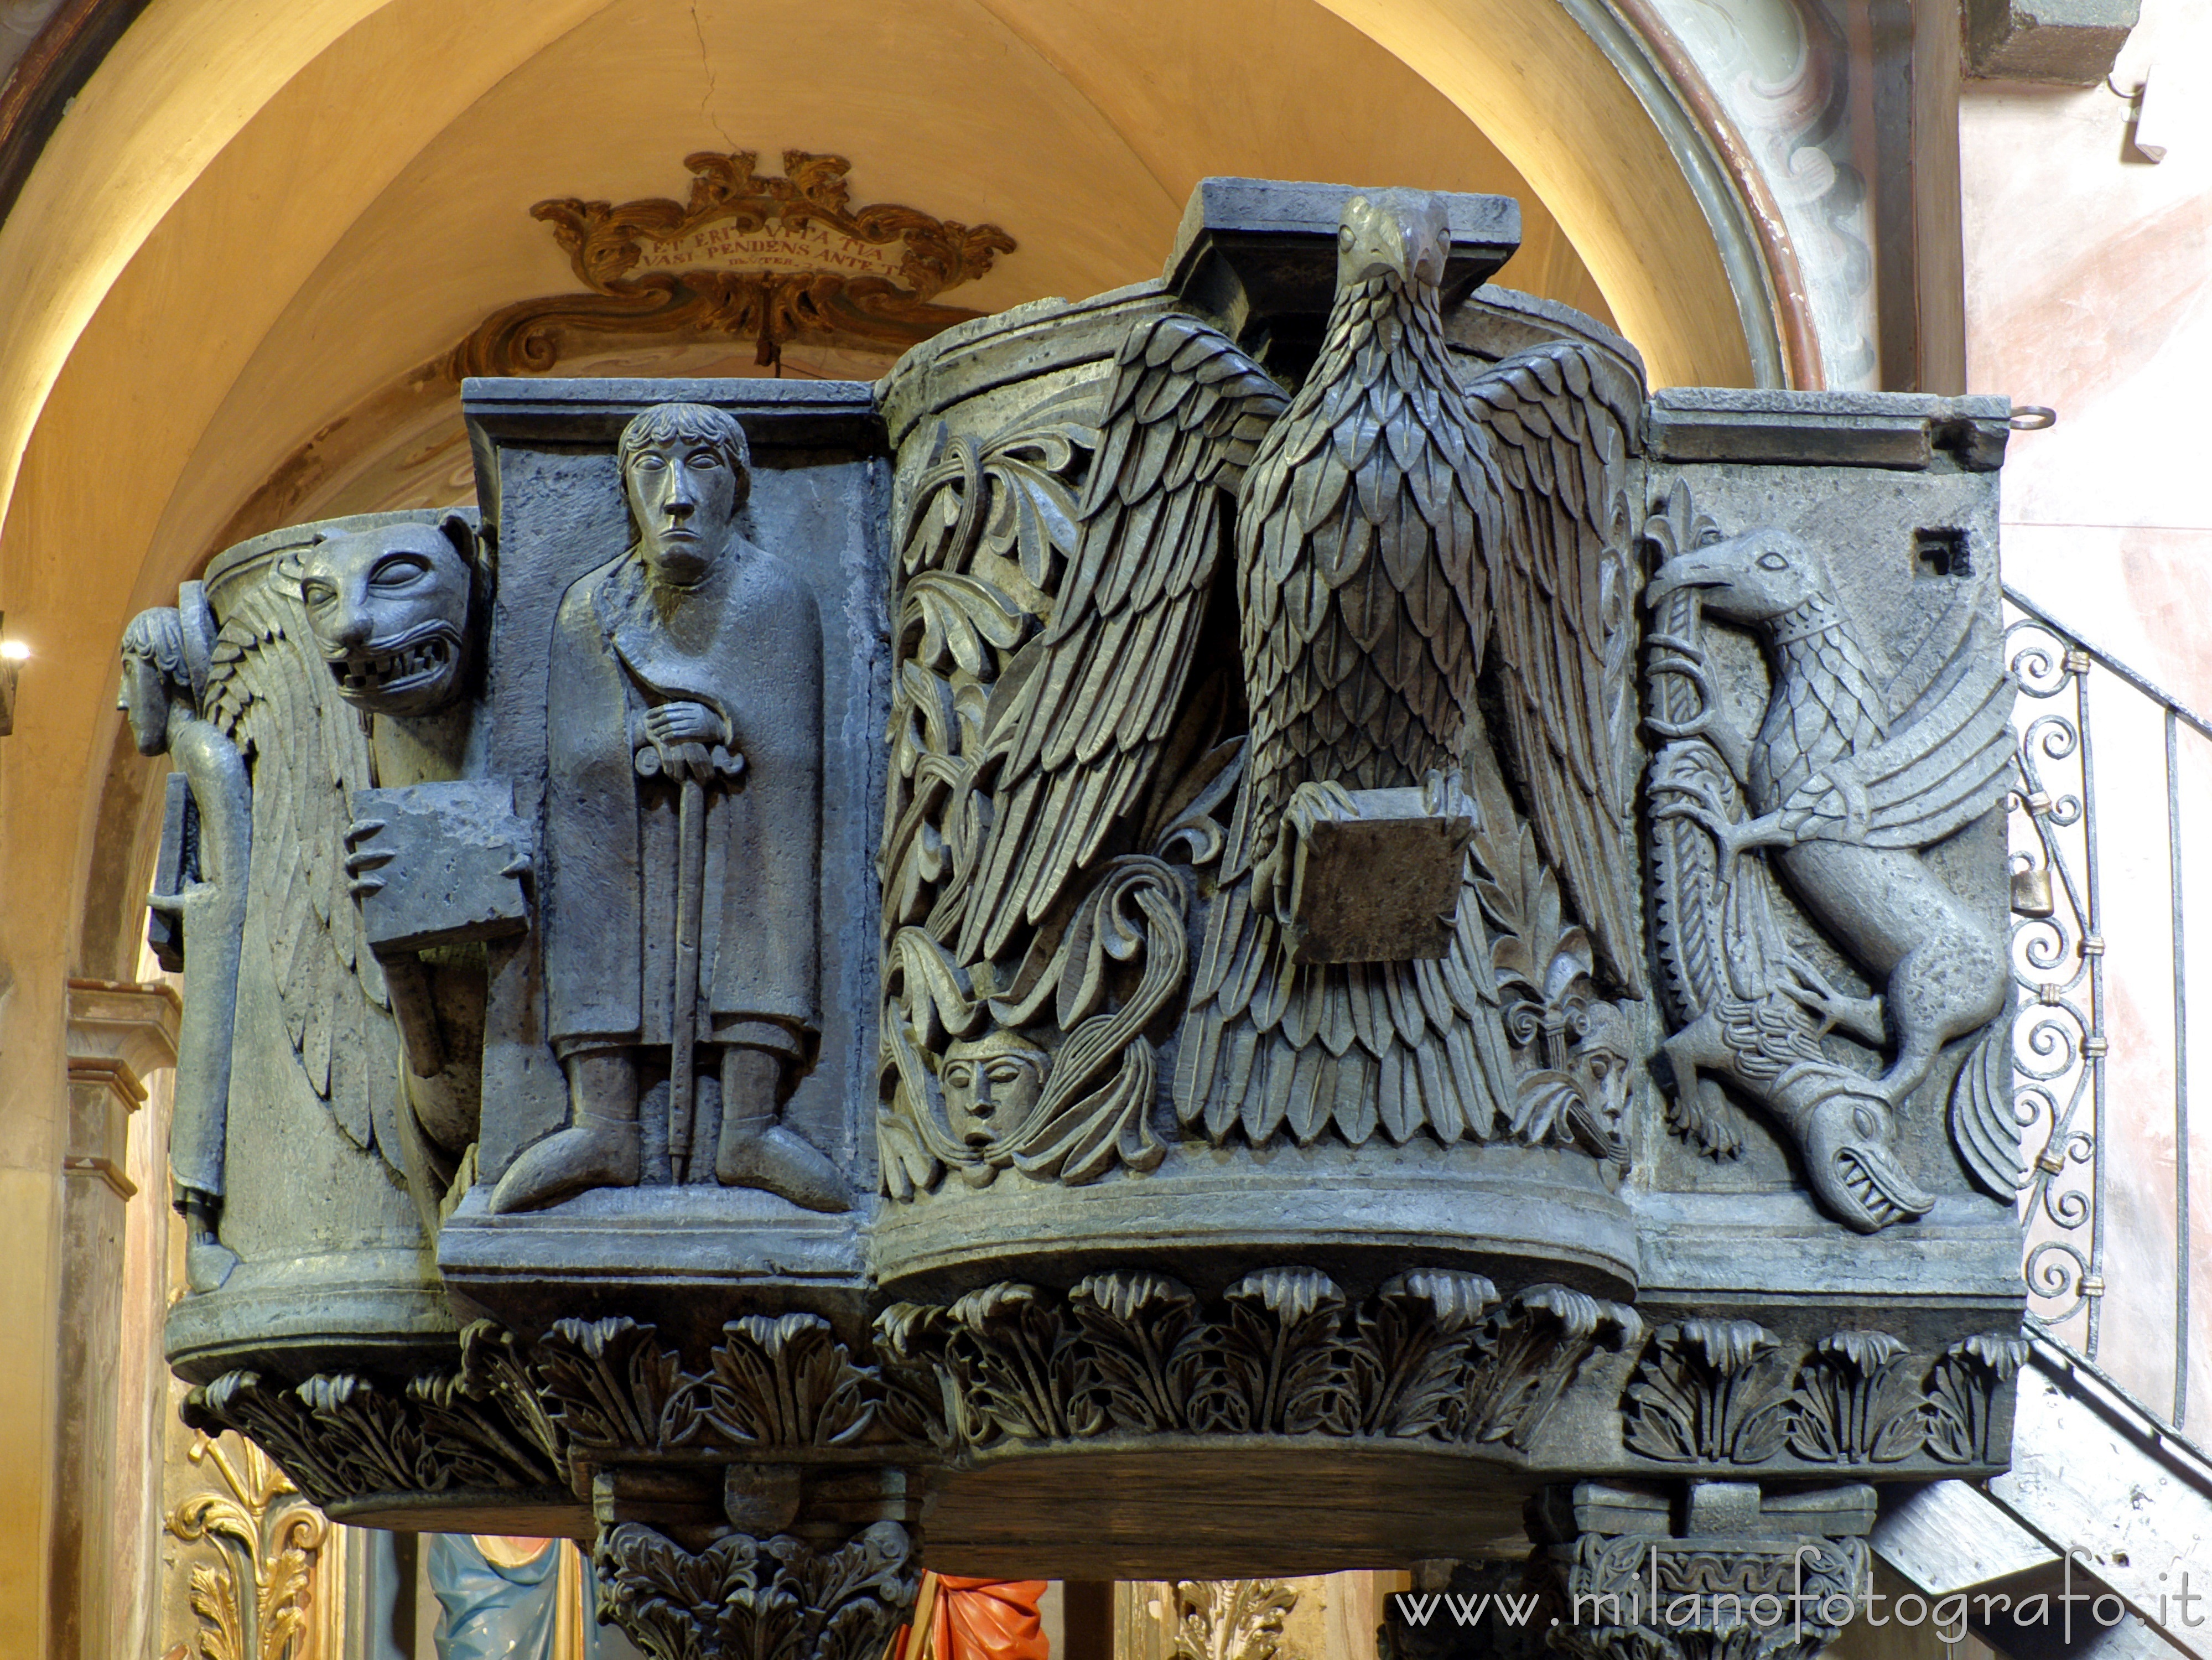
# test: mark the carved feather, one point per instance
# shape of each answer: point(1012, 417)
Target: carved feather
point(1945, 762)
point(1562, 592)
point(1983, 1126)
point(1077, 723)
point(1363, 540)
point(306, 752)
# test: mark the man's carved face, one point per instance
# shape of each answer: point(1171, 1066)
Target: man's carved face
point(685, 495)
point(390, 611)
point(992, 1085)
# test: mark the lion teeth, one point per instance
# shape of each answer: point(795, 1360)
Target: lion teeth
point(375, 673)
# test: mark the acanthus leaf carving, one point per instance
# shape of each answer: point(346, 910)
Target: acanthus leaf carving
point(1529, 1352)
point(1140, 1326)
point(1278, 1368)
point(1229, 1618)
point(614, 1385)
point(252, 1600)
point(785, 1381)
point(1431, 1355)
point(339, 1435)
point(1018, 1373)
point(1963, 1424)
point(1853, 1403)
point(1712, 1391)
point(743, 1598)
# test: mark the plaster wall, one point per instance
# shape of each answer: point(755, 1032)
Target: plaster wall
point(2089, 290)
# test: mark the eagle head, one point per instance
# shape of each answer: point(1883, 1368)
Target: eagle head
point(1760, 574)
point(1400, 232)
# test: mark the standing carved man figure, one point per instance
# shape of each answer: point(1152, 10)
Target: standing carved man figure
point(682, 831)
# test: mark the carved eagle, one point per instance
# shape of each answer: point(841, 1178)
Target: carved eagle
point(1389, 524)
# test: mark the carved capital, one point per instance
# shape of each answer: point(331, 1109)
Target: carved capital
point(1744, 1574)
point(773, 1598)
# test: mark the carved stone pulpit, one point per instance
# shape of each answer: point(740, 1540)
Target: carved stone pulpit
point(1268, 923)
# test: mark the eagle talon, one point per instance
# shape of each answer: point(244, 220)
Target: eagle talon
point(1702, 805)
point(1311, 803)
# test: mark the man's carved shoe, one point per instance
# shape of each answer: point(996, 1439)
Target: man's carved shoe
point(591, 1152)
point(782, 1163)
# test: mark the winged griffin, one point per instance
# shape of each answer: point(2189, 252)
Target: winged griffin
point(1168, 650)
point(1849, 774)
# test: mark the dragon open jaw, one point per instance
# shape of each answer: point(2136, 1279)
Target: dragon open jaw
point(1869, 1188)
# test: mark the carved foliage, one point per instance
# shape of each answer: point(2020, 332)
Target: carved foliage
point(1760, 1598)
point(781, 1381)
point(250, 1600)
point(1709, 1392)
point(743, 1596)
point(514, 1415)
point(1846, 1408)
point(340, 1436)
point(1229, 1618)
point(1432, 1356)
point(1961, 1389)
point(987, 532)
point(1716, 1392)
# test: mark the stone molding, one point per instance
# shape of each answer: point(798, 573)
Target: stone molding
point(119, 1032)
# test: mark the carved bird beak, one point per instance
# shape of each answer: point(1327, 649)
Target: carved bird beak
point(1399, 232)
point(1701, 567)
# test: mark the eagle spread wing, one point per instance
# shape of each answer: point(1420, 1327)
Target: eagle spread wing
point(1076, 724)
point(1561, 592)
point(306, 752)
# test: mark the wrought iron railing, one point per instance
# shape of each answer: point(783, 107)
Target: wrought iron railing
point(2100, 943)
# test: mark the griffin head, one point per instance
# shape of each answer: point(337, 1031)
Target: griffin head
point(1849, 1162)
point(1751, 578)
point(1404, 233)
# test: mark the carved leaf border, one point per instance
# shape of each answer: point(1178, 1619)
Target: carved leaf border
point(1731, 1393)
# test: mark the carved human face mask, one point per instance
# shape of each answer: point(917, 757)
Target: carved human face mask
point(684, 496)
point(991, 1087)
point(390, 610)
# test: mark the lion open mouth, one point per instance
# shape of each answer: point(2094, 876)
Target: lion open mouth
point(383, 666)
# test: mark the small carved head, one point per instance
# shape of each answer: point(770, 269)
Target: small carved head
point(1406, 233)
point(154, 675)
point(992, 1085)
point(389, 607)
point(686, 470)
point(1751, 578)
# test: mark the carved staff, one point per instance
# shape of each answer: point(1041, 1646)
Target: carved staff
point(690, 894)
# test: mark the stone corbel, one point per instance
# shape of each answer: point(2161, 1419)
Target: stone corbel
point(119, 1032)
